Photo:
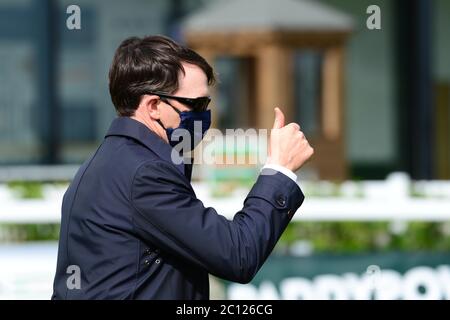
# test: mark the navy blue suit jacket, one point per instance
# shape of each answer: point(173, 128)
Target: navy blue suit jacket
point(133, 225)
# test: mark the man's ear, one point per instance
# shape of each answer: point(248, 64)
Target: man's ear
point(150, 103)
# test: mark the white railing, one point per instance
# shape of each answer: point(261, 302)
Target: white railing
point(387, 200)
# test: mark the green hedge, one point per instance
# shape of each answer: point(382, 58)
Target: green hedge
point(336, 237)
point(340, 237)
point(28, 232)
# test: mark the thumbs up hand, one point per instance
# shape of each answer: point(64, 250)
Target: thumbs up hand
point(288, 146)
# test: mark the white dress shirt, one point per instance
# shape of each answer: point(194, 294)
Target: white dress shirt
point(281, 169)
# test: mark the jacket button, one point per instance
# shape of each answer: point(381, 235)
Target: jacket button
point(147, 262)
point(281, 201)
point(157, 261)
point(147, 251)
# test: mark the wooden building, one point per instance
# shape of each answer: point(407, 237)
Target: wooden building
point(266, 34)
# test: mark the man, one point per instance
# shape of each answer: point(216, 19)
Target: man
point(132, 227)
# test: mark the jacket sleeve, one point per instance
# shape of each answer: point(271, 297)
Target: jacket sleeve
point(168, 215)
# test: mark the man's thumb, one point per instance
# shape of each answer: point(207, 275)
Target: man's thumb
point(279, 119)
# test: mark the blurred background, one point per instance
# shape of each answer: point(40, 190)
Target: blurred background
point(374, 104)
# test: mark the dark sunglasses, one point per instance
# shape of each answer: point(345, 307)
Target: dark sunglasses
point(196, 104)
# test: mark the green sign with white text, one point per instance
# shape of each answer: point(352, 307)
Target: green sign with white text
point(384, 276)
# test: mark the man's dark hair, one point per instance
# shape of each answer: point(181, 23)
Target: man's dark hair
point(152, 63)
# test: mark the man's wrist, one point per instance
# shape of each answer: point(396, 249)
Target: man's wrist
point(282, 170)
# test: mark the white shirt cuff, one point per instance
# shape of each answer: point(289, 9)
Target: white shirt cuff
point(281, 169)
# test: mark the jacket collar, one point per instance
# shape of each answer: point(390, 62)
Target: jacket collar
point(128, 127)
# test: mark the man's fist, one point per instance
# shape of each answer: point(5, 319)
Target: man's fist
point(288, 146)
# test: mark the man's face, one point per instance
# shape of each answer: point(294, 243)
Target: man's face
point(192, 84)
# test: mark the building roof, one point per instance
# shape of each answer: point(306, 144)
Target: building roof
point(286, 15)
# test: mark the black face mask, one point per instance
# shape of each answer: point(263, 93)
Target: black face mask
point(188, 129)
